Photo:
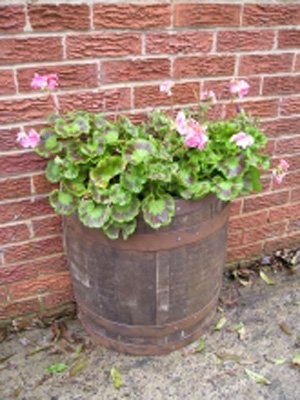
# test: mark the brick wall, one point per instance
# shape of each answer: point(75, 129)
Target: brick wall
point(112, 57)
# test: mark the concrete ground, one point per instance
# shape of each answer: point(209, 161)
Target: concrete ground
point(265, 343)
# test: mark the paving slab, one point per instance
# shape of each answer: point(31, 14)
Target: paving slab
point(271, 319)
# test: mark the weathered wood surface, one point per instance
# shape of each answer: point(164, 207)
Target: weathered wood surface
point(158, 290)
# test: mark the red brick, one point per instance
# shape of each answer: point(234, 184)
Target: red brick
point(12, 188)
point(19, 308)
point(287, 241)
point(103, 45)
point(40, 285)
point(41, 185)
point(285, 212)
point(105, 100)
point(16, 110)
point(297, 64)
point(249, 220)
point(290, 106)
point(289, 38)
point(150, 96)
point(17, 273)
point(245, 40)
point(293, 226)
point(236, 206)
point(51, 17)
point(21, 50)
point(178, 42)
point(14, 233)
point(265, 63)
point(263, 232)
point(131, 16)
point(251, 251)
point(276, 85)
point(267, 200)
point(135, 70)
point(204, 66)
point(295, 195)
point(207, 15)
point(7, 85)
point(70, 76)
point(3, 295)
point(12, 18)
point(271, 14)
point(33, 249)
point(281, 126)
point(57, 299)
point(221, 86)
point(47, 226)
point(292, 179)
point(51, 265)
point(234, 238)
point(288, 145)
point(8, 139)
point(261, 108)
point(293, 161)
point(24, 209)
point(20, 162)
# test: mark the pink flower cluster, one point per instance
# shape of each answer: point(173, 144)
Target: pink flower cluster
point(242, 139)
point(280, 171)
point(28, 140)
point(195, 135)
point(240, 88)
point(44, 82)
point(209, 95)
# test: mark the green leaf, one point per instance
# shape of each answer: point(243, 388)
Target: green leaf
point(221, 323)
point(257, 378)
point(112, 231)
point(76, 188)
point(128, 229)
point(116, 378)
point(53, 172)
point(160, 172)
point(118, 195)
point(158, 211)
point(62, 202)
point(195, 191)
point(60, 367)
point(255, 178)
point(277, 361)
point(200, 345)
point(126, 212)
point(133, 180)
point(99, 195)
point(93, 215)
point(106, 169)
point(266, 279)
point(139, 150)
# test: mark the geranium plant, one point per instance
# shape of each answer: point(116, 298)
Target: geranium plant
point(112, 171)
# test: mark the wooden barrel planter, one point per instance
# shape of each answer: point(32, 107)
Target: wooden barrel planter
point(156, 291)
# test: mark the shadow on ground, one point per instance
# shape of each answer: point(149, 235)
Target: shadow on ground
point(261, 334)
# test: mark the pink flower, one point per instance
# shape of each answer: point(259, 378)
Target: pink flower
point(280, 171)
point(242, 140)
point(181, 123)
point(29, 140)
point(39, 82)
point(52, 80)
point(196, 135)
point(43, 82)
point(166, 87)
point(240, 88)
point(209, 96)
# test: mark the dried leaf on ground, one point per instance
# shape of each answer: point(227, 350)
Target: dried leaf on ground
point(116, 378)
point(257, 377)
point(276, 361)
point(284, 327)
point(240, 329)
point(220, 324)
point(39, 349)
point(224, 356)
point(296, 360)
point(196, 347)
point(78, 366)
point(266, 278)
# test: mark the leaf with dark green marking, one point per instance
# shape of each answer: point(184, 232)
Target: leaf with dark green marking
point(119, 195)
point(139, 150)
point(93, 215)
point(106, 169)
point(62, 202)
point(158, 211)
point(127, 212)
point(53, 172)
